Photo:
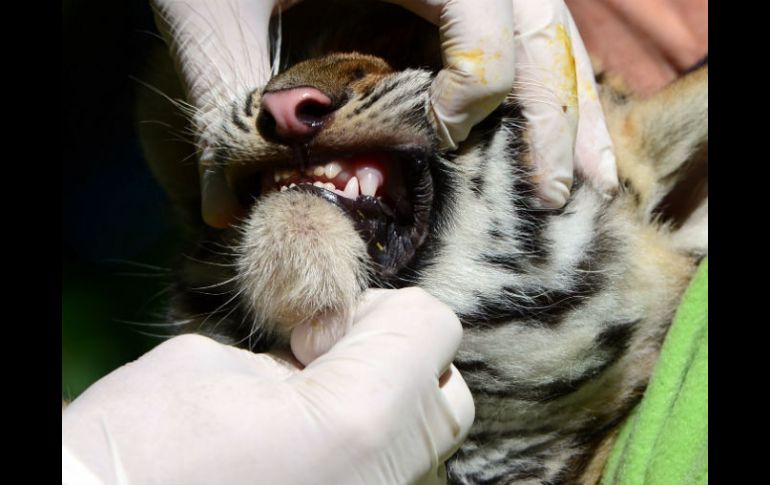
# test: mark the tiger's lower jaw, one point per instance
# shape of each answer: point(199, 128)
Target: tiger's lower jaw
point(307, 253)
point(300, 259)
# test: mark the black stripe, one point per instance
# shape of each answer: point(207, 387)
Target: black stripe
point(477, 185)
point(615, 337)
point(496, 234)
point(531, 222)
point(477, 181)
point(515, 468)
point(471, 364)
point(506, 262)
point(399, 103)
point(544, 305)
point(227, 132)
point(519, 471)
point(612, 342)
point(489, 436)
point(416, 116)
point(387, 87)
point(367, 92)
point(484, 132)
point(248, 108)
point(237, 121)
point(530, 229)
point(588, 438)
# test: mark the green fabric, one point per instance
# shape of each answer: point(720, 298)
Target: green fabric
point(665, 440)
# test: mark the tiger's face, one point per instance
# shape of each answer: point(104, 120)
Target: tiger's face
point(358, 135)
point(342, 196)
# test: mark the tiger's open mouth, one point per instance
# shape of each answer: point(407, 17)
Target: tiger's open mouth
point(387, 194)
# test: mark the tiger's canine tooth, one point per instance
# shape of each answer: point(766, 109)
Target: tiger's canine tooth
point(351, 189)
point(370, 180)
point(332, 169)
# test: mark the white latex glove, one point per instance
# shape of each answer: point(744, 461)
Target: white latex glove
point(491, 45)
point(222, 53)
point(221, 47)
point(370, 411)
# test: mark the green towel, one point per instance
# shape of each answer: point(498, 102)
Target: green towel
point(665, 440)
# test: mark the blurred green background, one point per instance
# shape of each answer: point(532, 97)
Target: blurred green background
point(117, 222)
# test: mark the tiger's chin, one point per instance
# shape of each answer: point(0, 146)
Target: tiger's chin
point(300, 258)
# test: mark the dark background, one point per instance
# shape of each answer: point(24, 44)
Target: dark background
point(116, 218)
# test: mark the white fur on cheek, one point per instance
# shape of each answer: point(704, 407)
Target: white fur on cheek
point(300, 257)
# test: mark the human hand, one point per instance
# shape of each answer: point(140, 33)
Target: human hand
point(221, 50)
point(371, 410)
point(653, 42)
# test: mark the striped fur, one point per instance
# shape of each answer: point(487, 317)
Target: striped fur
point(564, 310)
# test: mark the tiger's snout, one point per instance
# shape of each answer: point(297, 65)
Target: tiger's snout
point(294, 114)
point(299, 102)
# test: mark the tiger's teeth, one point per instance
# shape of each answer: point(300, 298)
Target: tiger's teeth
point(319, 184)
point(284, 188)
point(291, 186)
point(332, 169)
point(319, 171)
point(370, 180)
point(351, 189)
point(329, 185)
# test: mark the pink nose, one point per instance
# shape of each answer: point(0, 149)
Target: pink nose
point(298, 112)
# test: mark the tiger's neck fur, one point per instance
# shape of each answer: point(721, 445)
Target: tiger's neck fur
point(564, 311)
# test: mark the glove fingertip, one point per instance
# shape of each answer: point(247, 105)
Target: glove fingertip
point(603, 173)
point(607, 178)
point(460, 400)
point(553, 193)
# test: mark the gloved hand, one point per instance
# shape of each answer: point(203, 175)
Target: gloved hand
point(490, 46)
point(371, 410)
point(221, 47)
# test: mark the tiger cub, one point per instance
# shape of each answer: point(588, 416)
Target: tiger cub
point(564, 310)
